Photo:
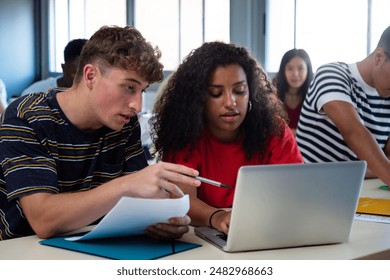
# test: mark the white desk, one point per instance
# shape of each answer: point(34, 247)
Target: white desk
point(367, 240)
point(371, 189)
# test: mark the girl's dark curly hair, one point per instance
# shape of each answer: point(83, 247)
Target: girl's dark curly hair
point(179, 116)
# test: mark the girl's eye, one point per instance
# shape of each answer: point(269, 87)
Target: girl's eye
point(215, 94)
point(240, 89)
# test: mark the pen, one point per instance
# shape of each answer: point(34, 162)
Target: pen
point(212, 182)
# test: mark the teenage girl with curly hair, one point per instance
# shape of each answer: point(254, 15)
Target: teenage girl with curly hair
point(217, 113)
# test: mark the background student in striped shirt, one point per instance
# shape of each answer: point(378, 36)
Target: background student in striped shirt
point(346, 113)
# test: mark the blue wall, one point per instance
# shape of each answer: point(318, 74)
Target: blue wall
point(18, 59)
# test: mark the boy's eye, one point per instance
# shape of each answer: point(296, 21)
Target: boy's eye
point(133, 89)
point(130, 89)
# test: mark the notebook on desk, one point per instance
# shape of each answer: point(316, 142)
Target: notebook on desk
point(291, 205)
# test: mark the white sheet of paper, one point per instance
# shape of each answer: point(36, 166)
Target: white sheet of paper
point(372, 218)
point(131, 216)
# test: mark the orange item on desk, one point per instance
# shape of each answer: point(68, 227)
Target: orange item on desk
point(375, 206)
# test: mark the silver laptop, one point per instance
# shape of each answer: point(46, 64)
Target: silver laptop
point(291, 205)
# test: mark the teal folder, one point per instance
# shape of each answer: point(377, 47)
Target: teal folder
point(136, 247)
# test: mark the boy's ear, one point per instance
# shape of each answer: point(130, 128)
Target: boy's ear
point(90, 72)
point(380, 54)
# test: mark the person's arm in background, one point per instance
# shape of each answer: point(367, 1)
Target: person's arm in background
point(387, 149)
point(359, 139)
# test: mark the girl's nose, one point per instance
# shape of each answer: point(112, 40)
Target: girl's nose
point(231, 100)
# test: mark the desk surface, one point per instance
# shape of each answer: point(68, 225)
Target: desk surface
point(367, 240)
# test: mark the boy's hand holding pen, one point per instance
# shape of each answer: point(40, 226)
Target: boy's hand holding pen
point(212, 182)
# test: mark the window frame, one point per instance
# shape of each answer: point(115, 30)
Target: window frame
point(47, 45)
point(247, 15)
